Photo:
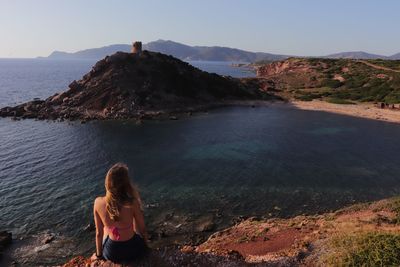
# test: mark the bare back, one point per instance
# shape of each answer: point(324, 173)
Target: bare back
point(129, 217)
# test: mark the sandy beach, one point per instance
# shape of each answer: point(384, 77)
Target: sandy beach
point(363, 110)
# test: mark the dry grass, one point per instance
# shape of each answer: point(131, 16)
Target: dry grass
point(364, 249)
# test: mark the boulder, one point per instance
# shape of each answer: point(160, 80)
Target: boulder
point(5, 240)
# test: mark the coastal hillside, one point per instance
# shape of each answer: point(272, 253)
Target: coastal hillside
point(335, 80)
point(178, 50)
point(365, 234)
point(127, 85)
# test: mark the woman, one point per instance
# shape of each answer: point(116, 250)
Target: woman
point(119, 218)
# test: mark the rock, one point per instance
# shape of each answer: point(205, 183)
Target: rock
point(161, 234)
point(48, 238)
point(152, 205)
point(235, 254)
point(206, 226)
point(168, 216)
point(41, 248)
point(5, 240)
point(90, 227)
point(188, 249)
point(75, 86)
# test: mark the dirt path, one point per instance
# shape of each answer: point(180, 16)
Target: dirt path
point(377, 66)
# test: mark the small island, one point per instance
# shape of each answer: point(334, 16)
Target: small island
point(139, 85)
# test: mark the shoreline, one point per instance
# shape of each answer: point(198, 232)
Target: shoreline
point(359, 110)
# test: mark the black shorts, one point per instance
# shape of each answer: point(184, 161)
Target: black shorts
point(124, 251)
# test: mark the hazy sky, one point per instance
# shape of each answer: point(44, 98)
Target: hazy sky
point(33, 28)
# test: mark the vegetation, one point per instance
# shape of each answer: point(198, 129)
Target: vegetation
point(341, 79)
point(394, 205)
point(339, 101)
point(365, 249)
point(392, 64)
point(262, 62)
point(330, 83)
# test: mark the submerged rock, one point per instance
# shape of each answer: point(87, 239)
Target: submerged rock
point(48, 238)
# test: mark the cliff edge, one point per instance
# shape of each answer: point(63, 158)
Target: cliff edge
point(366, 234)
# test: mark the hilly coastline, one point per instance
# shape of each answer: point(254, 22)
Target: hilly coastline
point(178, 50)
point(203, 53)
point(149, 84)
point(341, 81)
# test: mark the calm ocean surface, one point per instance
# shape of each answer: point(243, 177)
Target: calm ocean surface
point(238, 160)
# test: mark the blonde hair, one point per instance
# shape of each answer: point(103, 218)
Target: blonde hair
point(119, 190)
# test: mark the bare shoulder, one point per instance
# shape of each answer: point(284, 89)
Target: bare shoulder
point(137, 205)
point(99, 201)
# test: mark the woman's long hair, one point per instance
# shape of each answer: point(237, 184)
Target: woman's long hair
point(119, 190)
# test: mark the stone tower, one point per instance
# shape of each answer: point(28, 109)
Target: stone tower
point(136, 48)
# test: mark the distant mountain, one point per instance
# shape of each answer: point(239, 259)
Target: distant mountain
point(356, 55)
point(181, 51)
point(93, 53)
point(395, 56)
point(209, 53)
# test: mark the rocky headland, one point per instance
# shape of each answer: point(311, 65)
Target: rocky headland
point(139, 85)
point(365, 234)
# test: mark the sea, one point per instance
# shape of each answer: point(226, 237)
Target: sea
point(232, 162)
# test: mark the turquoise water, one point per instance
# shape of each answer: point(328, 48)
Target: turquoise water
point(237, 161)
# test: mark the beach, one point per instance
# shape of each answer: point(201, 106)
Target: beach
point(362, 110)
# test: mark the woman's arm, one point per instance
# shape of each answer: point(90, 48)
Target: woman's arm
point(99, 229)
point(139, 220)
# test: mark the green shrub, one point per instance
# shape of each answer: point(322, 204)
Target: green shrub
point(368, 249)
point(392, 64)
point(394, 205)
point(308, 97)
point(331, 83)
point(393, 97)
point(335, 100)
point(356, 81)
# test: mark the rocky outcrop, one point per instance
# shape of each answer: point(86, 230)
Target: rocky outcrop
point(290, 65)
point(170, 257)
point(127, 85)
point(293, 72)
point(368, 233)
point(5, 241)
